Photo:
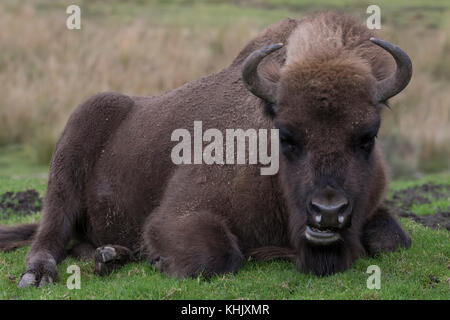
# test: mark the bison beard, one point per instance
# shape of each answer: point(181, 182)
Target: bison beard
point(325, 260)
point(114, 195)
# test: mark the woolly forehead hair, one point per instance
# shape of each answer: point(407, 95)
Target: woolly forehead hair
point(325, 59)
point(331, 87)
point(337, 87)
point(323, 71)
point(327, 33)
point(331, 76)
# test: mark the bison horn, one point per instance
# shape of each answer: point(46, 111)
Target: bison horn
point(392, 85)
point(257, 85)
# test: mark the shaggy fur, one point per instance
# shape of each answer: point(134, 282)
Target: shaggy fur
point(112, 184)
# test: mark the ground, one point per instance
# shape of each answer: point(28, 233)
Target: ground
point(421, 272)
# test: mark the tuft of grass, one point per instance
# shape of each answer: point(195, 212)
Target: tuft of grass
point(431, 208)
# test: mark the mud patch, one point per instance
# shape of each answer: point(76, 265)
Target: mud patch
point(402, 201)
point(20, 203)
point(421, 194)
point(439, 220)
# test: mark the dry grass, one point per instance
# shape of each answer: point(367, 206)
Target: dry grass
point(418, 123)
point(47, 70)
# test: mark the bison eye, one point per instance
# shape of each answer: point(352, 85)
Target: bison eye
point(367, 143)
point(289, 147)
point(287, 144)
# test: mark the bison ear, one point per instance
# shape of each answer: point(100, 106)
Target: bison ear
point(272, 72)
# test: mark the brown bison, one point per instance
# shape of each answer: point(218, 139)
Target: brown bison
point(114, 195)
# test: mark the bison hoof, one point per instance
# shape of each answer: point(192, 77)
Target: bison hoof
point(104, 260)
point(106, 254)
point(29, 279)
point(40, 271)
point(110, 257)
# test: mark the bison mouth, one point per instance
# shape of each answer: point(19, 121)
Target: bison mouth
point(321, 237)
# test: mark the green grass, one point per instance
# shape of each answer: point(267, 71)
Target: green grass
point(430, 208)
point(405, 274)
point(439, 178)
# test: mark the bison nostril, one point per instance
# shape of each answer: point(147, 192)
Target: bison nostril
point(344, 206)
point(315, 208)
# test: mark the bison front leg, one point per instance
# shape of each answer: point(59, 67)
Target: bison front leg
point(191, 244)
point(383, 233)
point(62, 206)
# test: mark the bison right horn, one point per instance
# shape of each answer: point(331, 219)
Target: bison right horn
point(257, 85)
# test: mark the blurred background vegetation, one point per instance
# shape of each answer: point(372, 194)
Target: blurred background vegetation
point(145, 47)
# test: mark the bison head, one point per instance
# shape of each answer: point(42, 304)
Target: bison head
point(327, 109)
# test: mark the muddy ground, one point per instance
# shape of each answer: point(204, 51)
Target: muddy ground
point(20, 203)
point(402, 201)
point(29, 202)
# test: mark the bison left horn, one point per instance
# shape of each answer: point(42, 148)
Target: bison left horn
point(395, 83)
point(257, 85)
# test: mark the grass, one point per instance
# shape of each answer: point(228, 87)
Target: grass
point(405, 274)
point(430, 208)
point(142, 47)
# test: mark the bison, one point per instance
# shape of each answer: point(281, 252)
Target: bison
point(114, 195)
